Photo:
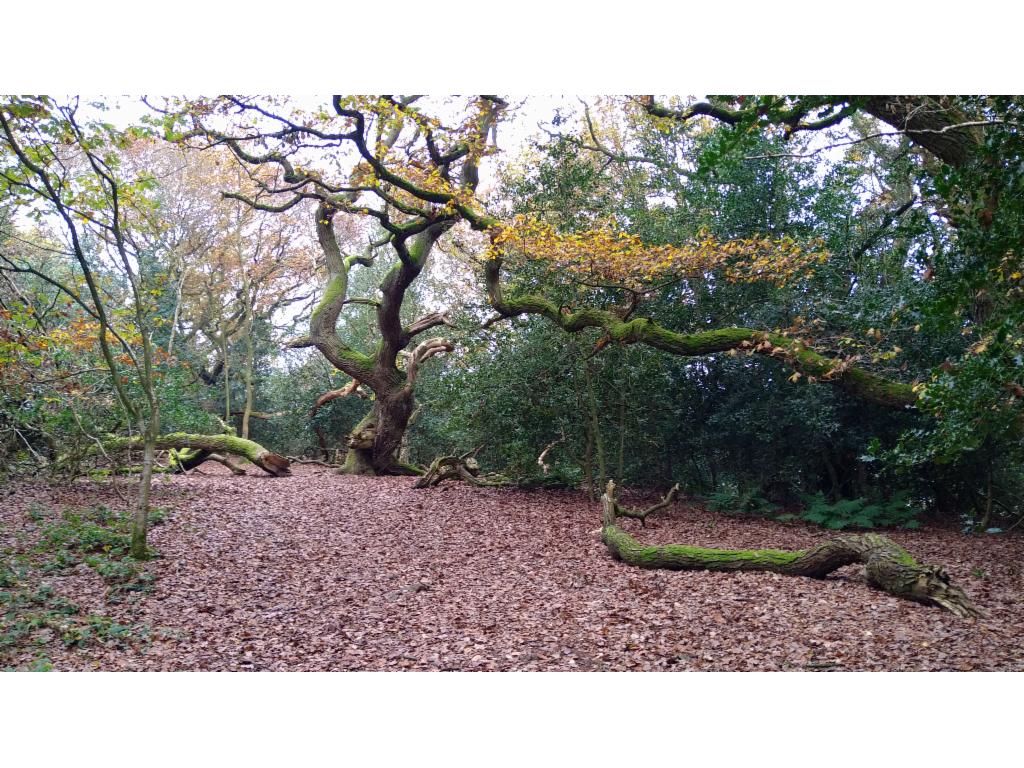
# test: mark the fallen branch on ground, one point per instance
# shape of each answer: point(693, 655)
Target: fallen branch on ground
point(464, 467)
point(641, 515)
point(205, 447)
point(887, 565)
point(297, 460)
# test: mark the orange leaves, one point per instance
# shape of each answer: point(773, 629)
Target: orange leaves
point(78, 335)
point(609, 253)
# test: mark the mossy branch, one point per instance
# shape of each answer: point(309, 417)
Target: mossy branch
point(269, 462)
point(887, 565)
point(792, 353)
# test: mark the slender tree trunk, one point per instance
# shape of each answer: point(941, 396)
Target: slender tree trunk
point(250, 361)
point(622, 436)
point(227, 375)
point(833, 476)
point(588, 460)
point(595, 425)
point(698, 472)
point(177, 311)
point(989, 495)
point(140, 520)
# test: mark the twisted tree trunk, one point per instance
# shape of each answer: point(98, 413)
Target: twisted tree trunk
point(888, 566)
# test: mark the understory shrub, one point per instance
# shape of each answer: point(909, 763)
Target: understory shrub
point(730, 499)
point(897, 512)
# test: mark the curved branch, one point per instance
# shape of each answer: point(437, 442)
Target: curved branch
point(351, 388)
point(641, 515)
point(421, 354)
point(934, 123)
point(269, 462)
point(793, 353)
point(722, 114)
point(888, 566)
point(425, 323)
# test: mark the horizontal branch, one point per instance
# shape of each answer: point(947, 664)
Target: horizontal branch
point(425, 323)
point(791, 352)
point(888, 566)
point(269, 462)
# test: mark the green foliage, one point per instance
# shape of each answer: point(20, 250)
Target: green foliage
point(731, 500)
point(101, 539)
point(97, 629)
point(182, 404)
point(33, 614)
point(897, 512)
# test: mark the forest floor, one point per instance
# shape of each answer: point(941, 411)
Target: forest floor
point(322, 572)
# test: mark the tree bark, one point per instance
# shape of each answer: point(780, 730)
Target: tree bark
point(449, 468)
point(227, 374)
point(269, 462)
point(140, 519)
point(595, 423)
point(250, 362)
point(790, 352)
point(888, 566)
point(928, 121)
point(374, 443)
point(189, 458)
point(464, 467)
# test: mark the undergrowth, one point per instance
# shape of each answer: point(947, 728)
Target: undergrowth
point(896, 512)
point(33, 615)
point(730, 499)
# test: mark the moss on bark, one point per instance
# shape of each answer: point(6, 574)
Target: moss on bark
point(887, 565)
point(861, 383)
point(269, 462)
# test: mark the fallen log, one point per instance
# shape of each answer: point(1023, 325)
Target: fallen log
point(887, 565)
point(449, 468)
point(203, 447)
point(190, 458)
point(464, 467)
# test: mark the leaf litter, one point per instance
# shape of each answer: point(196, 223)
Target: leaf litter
point(324, 572)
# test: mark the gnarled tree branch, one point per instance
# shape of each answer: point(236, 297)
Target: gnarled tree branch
point(888, 566)
point(793, 353)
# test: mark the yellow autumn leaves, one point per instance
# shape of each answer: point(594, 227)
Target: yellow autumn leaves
point(608, 253)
